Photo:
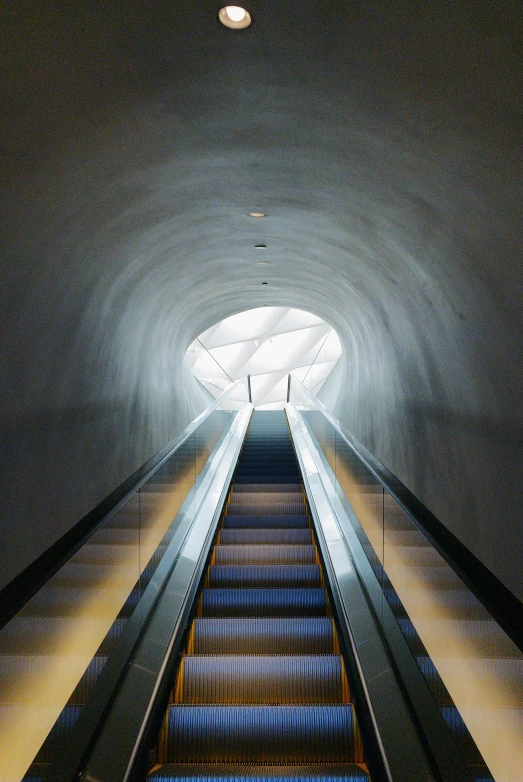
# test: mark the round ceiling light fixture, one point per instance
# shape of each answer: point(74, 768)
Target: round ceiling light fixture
point(256, 214)
point(235, 17)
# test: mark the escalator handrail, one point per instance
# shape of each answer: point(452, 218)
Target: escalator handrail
point(499, 601)
point(74, 751)
point(15, 595)
point(122, 710)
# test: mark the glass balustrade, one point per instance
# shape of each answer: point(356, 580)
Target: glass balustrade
point(54, 650)
point(472, 668)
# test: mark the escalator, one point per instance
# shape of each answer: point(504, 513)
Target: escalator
point(261, 691)
point(265, 617)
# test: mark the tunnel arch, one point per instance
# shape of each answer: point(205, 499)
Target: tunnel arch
point(384, 147)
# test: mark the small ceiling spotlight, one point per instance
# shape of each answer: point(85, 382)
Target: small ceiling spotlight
point(235, 17)
point(265, 283)
point(260, 246)
point(262, 263)
point(256, 214)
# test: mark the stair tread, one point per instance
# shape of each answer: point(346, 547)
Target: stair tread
point(264, 575)
point(265, 496)
point(267, 488)
point(273, 535)
point(253, 521)
point(320, 772)
point(264, 602)
point(265, 508)
point(261, 733)
point(262, 679)
point(265, 554)
point(263, 635)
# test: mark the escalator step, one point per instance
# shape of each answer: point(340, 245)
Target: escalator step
point(265, 508)
point(241, 498)
point(264, 575)
point(279, 522)
point(265, 464)
point(263, 602)
point(317, 772)
point(272, 679)
point(260, 479)
point(265, 555)
point(258, 456)
point(265, 460)
point(272, 535)
point(267, 473)
point(263, 636)
point(261, 734)
point(268, 451)
point(268, 488)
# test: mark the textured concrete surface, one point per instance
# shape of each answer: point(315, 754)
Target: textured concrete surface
point(384, 141)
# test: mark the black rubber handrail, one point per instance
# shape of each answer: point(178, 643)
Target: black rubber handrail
point(24, 586)
point(499, 601)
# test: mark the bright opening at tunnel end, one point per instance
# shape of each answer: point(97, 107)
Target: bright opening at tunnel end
point(266, 343)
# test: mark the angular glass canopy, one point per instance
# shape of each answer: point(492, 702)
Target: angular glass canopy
point(266, 343)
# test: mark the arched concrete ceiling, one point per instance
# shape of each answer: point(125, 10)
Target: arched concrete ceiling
point(384, 141)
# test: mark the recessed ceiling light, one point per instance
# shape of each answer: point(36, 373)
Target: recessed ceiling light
point(256, 214)
point(235, 17)
point(262, 263)
point(265, 283)
point(260, 246)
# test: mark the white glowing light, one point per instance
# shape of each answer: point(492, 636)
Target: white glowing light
point(235, 17)
point(267, 343)
point(236, 13)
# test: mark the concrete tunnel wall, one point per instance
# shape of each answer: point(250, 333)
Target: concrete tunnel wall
point(383, 140)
